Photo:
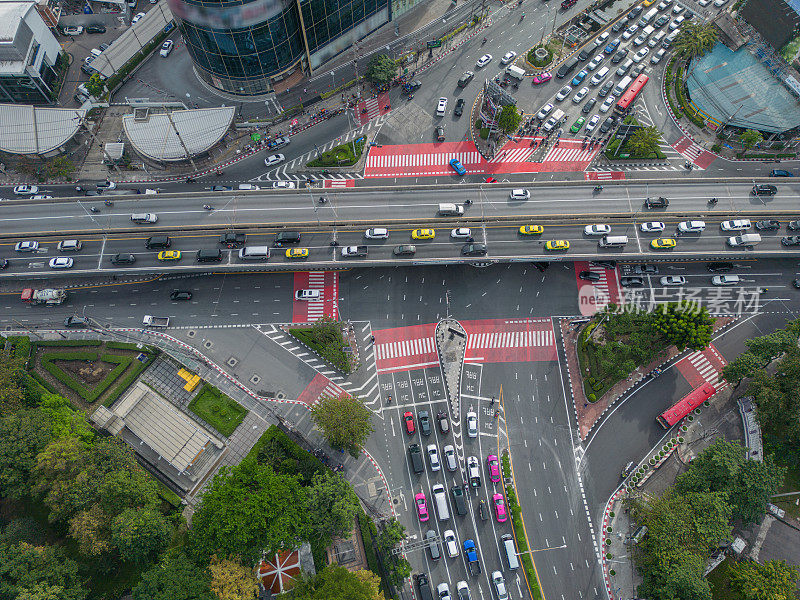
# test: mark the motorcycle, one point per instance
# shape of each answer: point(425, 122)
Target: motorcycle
point(94, 209)
point(323, 200)
point(598, 188)
point(484, 41)
point(109, 203)
point(712, 202)
point(208, 207)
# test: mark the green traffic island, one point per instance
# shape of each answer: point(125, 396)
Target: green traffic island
point(619, 340)
point(326, 338)
point(543, 55)
point(222, 412)
point(343, 155)
point(642, 145)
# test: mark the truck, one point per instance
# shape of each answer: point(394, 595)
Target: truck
point(515, 72)
point(151, 321)
point(50, 297)
point(472, 558)
point(424, 587)
point(349, 251)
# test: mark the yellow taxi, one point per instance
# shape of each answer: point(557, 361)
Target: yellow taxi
point(663, 243)
point(557, 245)
point(169, 255)
point(531, 229)
point(423, 234)
point(297, 253)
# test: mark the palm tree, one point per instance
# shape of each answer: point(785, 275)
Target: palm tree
point(695, 39)
point(644, 141)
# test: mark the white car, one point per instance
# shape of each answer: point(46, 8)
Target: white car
point(73, 30)
point(520, 194)
point(652, 227)
point(563, 93)
point(274, 159)
point(251, 187)
point(441, 107)
point(433, 457)
point(592, 123)
point(597, 230)
point(136, 18)
point(283, 185)
point(30, 246)
point(41, 197)
point(720, 3)
point(656, 58)
point(450, 461)
point(70, 245)
point(60, 262)
point(725, 279)
point(630, 32)
point(736, 225)
point(691, 226)
point(640, 39)
point(601, 39)
point(450, 543)
point(166, 48)
point(462, 590)
point(462, 233)
point(443, 592)
point(508, 57)
point(640, 55)
point(607, 104)
point(704, 3)
point(499, 585)
point(677, 22)
point(484, 60)
point(578, 98)
point(106, 185)
point(542, 113)
point(26, 190)
point(472, 424)
point(473, 470)
point(673, 280)
point(376, 233)
point(678, 9)
point(596, 62)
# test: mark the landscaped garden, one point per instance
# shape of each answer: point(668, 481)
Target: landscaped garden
point(344, 155)
point(218, 410)
point(326, 339)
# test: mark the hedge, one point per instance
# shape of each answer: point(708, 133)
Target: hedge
point(129, 346)
point(138, 367)
point(368, 533)
point(129, 66)
point(37, 380)
point(22, 346)
point(522, 544)
point(69, 343)
point(89, 395)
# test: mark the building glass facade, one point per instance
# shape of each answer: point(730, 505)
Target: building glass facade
point(326, 20)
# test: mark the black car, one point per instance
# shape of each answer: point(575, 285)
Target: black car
point(587, 108)
point(631, 281)
point(3, 263)
point(221, 188)
point(233, 240)
point(440, 133)
point(793, 225)
point(465, 79)
point(791, 240)
point(608, 124)
point(644, 270)
point(443, 422)
point(780, 173)
point(764, 189)
point(103, 47)
point(96, 28)
point(76, 322)
point(413, 86)
point(796, 283)
point(619, 55)
point(92, 192)
point(181, 295)
point(635, 12)
point(424, 420)
point(473, 249)
point(606, 264)
point(459, 109)
point(585, 54)
point(662, 20)
point(607, 87)
point(768, 225)
point(123, 259)
point(719, 267)
point(618, 26)
point(404, 250)
point(654, 202)
point(589, 276)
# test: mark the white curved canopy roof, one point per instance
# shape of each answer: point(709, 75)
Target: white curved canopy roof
point(26, 129)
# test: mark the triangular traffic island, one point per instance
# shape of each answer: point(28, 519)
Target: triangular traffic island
point(451, 346)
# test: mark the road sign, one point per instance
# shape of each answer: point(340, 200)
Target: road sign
point(255, 137)
point(435, 44)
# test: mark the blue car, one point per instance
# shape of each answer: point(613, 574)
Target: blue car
point(458, 167)
point(579, 77)
point(612, 46)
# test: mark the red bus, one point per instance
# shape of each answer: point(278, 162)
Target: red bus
point(686, 405)
point(630, 95)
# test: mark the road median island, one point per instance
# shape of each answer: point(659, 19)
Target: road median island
point(325, 338)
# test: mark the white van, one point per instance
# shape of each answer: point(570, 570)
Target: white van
point(510, 552)
point(648, 17)
point(668, 41)
point(599, 76)
point(656, 39)
point(440, 500)
point(626, 66)
point(613, 241)
point(554, 121)
point(746, 239)
point(623, 85)
point(144, 217)
point(254, 253)
point(448, 209)
point(515, 72)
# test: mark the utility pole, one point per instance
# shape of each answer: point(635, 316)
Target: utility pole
point(180, 139)
point(82, 120)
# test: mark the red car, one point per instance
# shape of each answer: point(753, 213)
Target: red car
point(408, 417)
point(494, 468)
point(422, 507)
point(499, 508)
point(542, 77)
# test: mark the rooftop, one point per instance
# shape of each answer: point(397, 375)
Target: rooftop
point(26, 129)
point(11, 13)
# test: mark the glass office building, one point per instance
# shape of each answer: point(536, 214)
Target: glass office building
point(243, 47)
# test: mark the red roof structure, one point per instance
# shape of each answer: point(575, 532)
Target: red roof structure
point(279, 574)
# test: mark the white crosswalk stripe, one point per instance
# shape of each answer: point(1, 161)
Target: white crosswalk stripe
point(561, 154)
point(704, 367)
point(316, 308)
point(420, 160)
point(516, 155)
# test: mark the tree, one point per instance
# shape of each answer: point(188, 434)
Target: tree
point(65, 420)
point(396, 567)
point(684, 325)
point(174, 578)
point(337, 583)
point(774, 580)
point(140, 534)
point(90, 529)
point(124, 489)
point(750, 138)
point(27, 569)
point(645, 141)
point(230, 580)
point(381, 69)
point(332, 506)
point(96, 86)
point(695, 39)
point(22, 436)
point(761, 350)
point(344, 421)
point(249, 509)
point(509, 118)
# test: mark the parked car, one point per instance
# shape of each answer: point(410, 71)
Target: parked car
point(166, 48)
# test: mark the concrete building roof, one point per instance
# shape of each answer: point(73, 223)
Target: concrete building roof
point(26, 129)
point(168, 137)
point(11, 13)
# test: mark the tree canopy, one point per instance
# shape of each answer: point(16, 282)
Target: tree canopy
point(750, 137)
point(332, 507)
point(337, 583)
point(344, 420)
point(509, 118)
point(774, 580)
point(396, 566)
point(645, 140)
point(175, 577)
point(29, 570)
point(381, 69)
point(684, 325)
point(696, 38)
point(231, 580)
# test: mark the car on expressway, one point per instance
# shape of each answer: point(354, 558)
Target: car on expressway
point(169, 255)
point(26, 190)
point(780, 173)
point(408, 419)
point(597, 229)
point(123, 259)
point(76, 322)
point(137, 17)
point(508, 57)
point(656, 202)
point(474, 472)
point(450, 543)
point(404, 250)
point(768, 225)
point(520, 194)
point(673, 280)
point(760, 189)
point(472, 424)
point(60, 262)
point(483, 61)
point(499, 585)
point(499, 508)
point(793, 225)
point(462, 589)
point(233, 240)
point(376, 233)
point(180, 295)
point(220, 188)
point(612, 46)
point(652, 226)
point(422, 506)
point(443, 592)
point(493, 464)
point(473, 249)
point(456, 165)
point(297, 253)
point(41, 197)
point(464, 233)
point(725, 280)
point(641, 54)
point(719, 267)
point(423, 234)
point(791, 240)
point(531, 230)
point(663, 243)
point(735, 225)
point(274, 159)
point(557, 245)
point(542, 78)
point(28, 246)
point(691, 226)
point(631, 281)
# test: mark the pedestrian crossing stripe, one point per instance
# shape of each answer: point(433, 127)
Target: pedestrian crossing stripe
point(559, 154)
point(511, 339)
point(516, 155)
point(405, 348)
point(704, 367)
point(419, 160)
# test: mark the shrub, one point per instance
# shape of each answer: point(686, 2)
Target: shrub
point(88, 395)
point(340, 156)
point(69, 343)
point(478, 124)
point(138, 367)
point(591, 380)
point(368, 533)
point(591, 397)
point(612, 572)
point(597, 386)
point(611, 514)
point(484, 133)
point(716, 148)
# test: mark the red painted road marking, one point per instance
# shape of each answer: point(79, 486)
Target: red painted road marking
point(604, 175)
point(702, 367)
point(593, 297)
point(319, 386)
point(327, 282)
point(338, 183)
point(405, 348)
point(368, 109)
point(696, 154)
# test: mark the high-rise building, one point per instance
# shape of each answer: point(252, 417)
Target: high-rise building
point(244, 47)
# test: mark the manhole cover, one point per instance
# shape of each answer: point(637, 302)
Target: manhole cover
point(255, 379)
point(208, 344)
point(280, 395)
point(232, 362)
point(191, 333)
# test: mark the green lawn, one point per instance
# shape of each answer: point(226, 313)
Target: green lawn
point(218, 410)
point(339, 156)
